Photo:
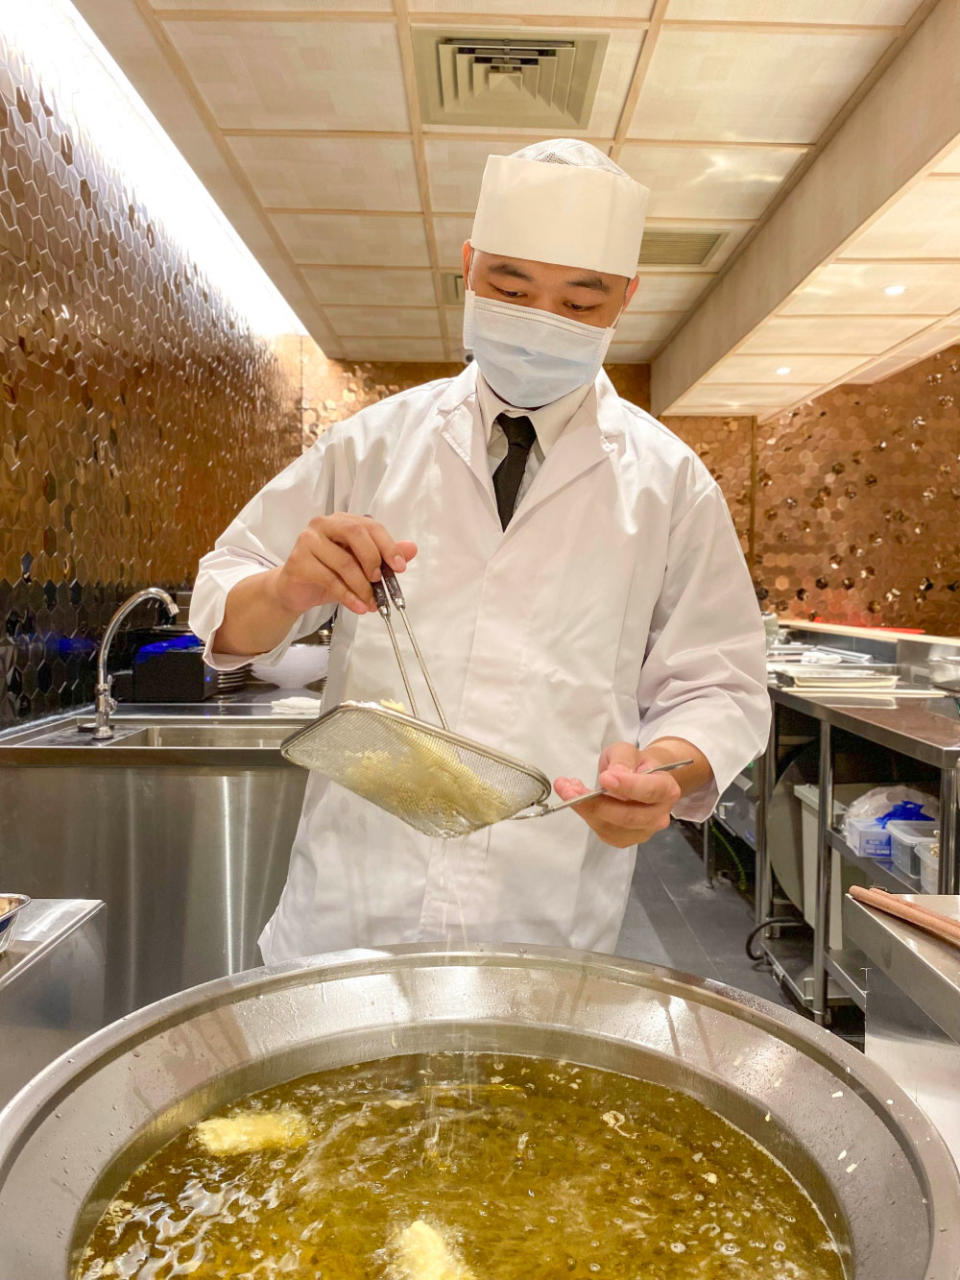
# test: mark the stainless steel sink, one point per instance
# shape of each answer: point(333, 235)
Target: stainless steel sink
point(65, 737)
point(181, 823)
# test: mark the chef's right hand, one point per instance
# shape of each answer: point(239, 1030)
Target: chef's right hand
point(334, 561)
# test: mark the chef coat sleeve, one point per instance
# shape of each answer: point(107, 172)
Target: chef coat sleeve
point(262, 537)
point(704, 675)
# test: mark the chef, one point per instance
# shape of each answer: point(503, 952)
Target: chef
point(571, 569)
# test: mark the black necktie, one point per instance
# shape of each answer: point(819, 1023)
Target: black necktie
point(508, 475)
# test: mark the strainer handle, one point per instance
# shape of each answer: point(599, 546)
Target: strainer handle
point(541, 810)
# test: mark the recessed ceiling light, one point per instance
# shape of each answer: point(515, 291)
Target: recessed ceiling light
point(895, 290)
point(783, 370)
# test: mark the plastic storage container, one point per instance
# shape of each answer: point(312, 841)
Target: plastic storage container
point(809, 796)
point(904, 838)
point(928, 851)
point(867, 838)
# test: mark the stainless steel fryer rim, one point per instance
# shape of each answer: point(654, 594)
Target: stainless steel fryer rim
point(393, 969)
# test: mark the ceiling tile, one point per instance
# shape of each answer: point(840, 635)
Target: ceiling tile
point(742, 398)
point(924, 223)
point(630, 352)
point(950, 162)
point(638, 327)
point(330, 173)
point(739, 369)
point(848, 288)
point(580, 8)
point(274, 6)
point(393, 322)
point(296, 75)
point(384, 287)
point(451, 233)
point(455, 166)
point(925, 344)
point(708, 181)
point(861, 335)
point(392, 349)
point(672, 291)
point(750, 86)
point(866, 12)
point(353, 240)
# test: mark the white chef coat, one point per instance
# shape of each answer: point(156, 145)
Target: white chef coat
point(616, 606)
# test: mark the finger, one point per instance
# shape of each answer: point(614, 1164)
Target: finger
point(389, 549)
point(642, 788)
point(408, 550)
point(567, 788)
point(623, 753)
point(359, 540)
point(334, 588)
point(344, 566)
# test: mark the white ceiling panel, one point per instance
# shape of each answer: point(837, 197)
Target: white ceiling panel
point(924, 345)
point(821, 335)
point(353, 240)
point(639, 327)
point(746, 86)
point(578, 8)
point(455, 166)
point(743, 398)
point(296, 75)
point(950, 162)
point(708, 181)
point(393, 322)
point(330, 173)
point(393, 349)
point(865, 12)
point(273, 6)
point(672, 291)
point(924, 223)
point(379, 288)
point(451, 233)
point(630, 352)
point(849, 288)
point(738, 369)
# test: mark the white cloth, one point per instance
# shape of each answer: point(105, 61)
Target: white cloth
point(570, 214)
point(616, 606)
point(548, 422)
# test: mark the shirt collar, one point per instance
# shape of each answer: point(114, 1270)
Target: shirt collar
point(548, 421)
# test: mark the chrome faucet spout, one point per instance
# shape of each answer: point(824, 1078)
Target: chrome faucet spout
point(105, 704)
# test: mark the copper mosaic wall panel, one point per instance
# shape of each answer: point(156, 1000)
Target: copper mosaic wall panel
point(137, 409)
point(858, 503)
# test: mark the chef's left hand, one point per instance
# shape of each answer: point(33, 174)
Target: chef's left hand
point(637, 807)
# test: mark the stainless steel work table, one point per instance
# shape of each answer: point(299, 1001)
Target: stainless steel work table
point(921, 729)
point(913, 1007)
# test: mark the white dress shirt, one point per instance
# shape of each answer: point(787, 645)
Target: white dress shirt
point(548, 422)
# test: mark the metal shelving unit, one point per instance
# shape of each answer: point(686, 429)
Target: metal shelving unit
point(908, 728)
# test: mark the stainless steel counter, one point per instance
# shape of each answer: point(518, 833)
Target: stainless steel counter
point(913, 1007)
point(52, 986)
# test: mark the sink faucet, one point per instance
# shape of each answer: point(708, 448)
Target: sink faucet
point(105, 704)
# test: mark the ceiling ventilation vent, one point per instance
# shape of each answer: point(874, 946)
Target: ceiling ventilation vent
point(664, 247)
point(507, 81)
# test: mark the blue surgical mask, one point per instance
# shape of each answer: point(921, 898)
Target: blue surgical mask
point(530, 357)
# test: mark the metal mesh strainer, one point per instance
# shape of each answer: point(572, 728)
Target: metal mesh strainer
point(436, 781)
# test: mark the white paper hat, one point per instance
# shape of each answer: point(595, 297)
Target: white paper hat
point(564, 202)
